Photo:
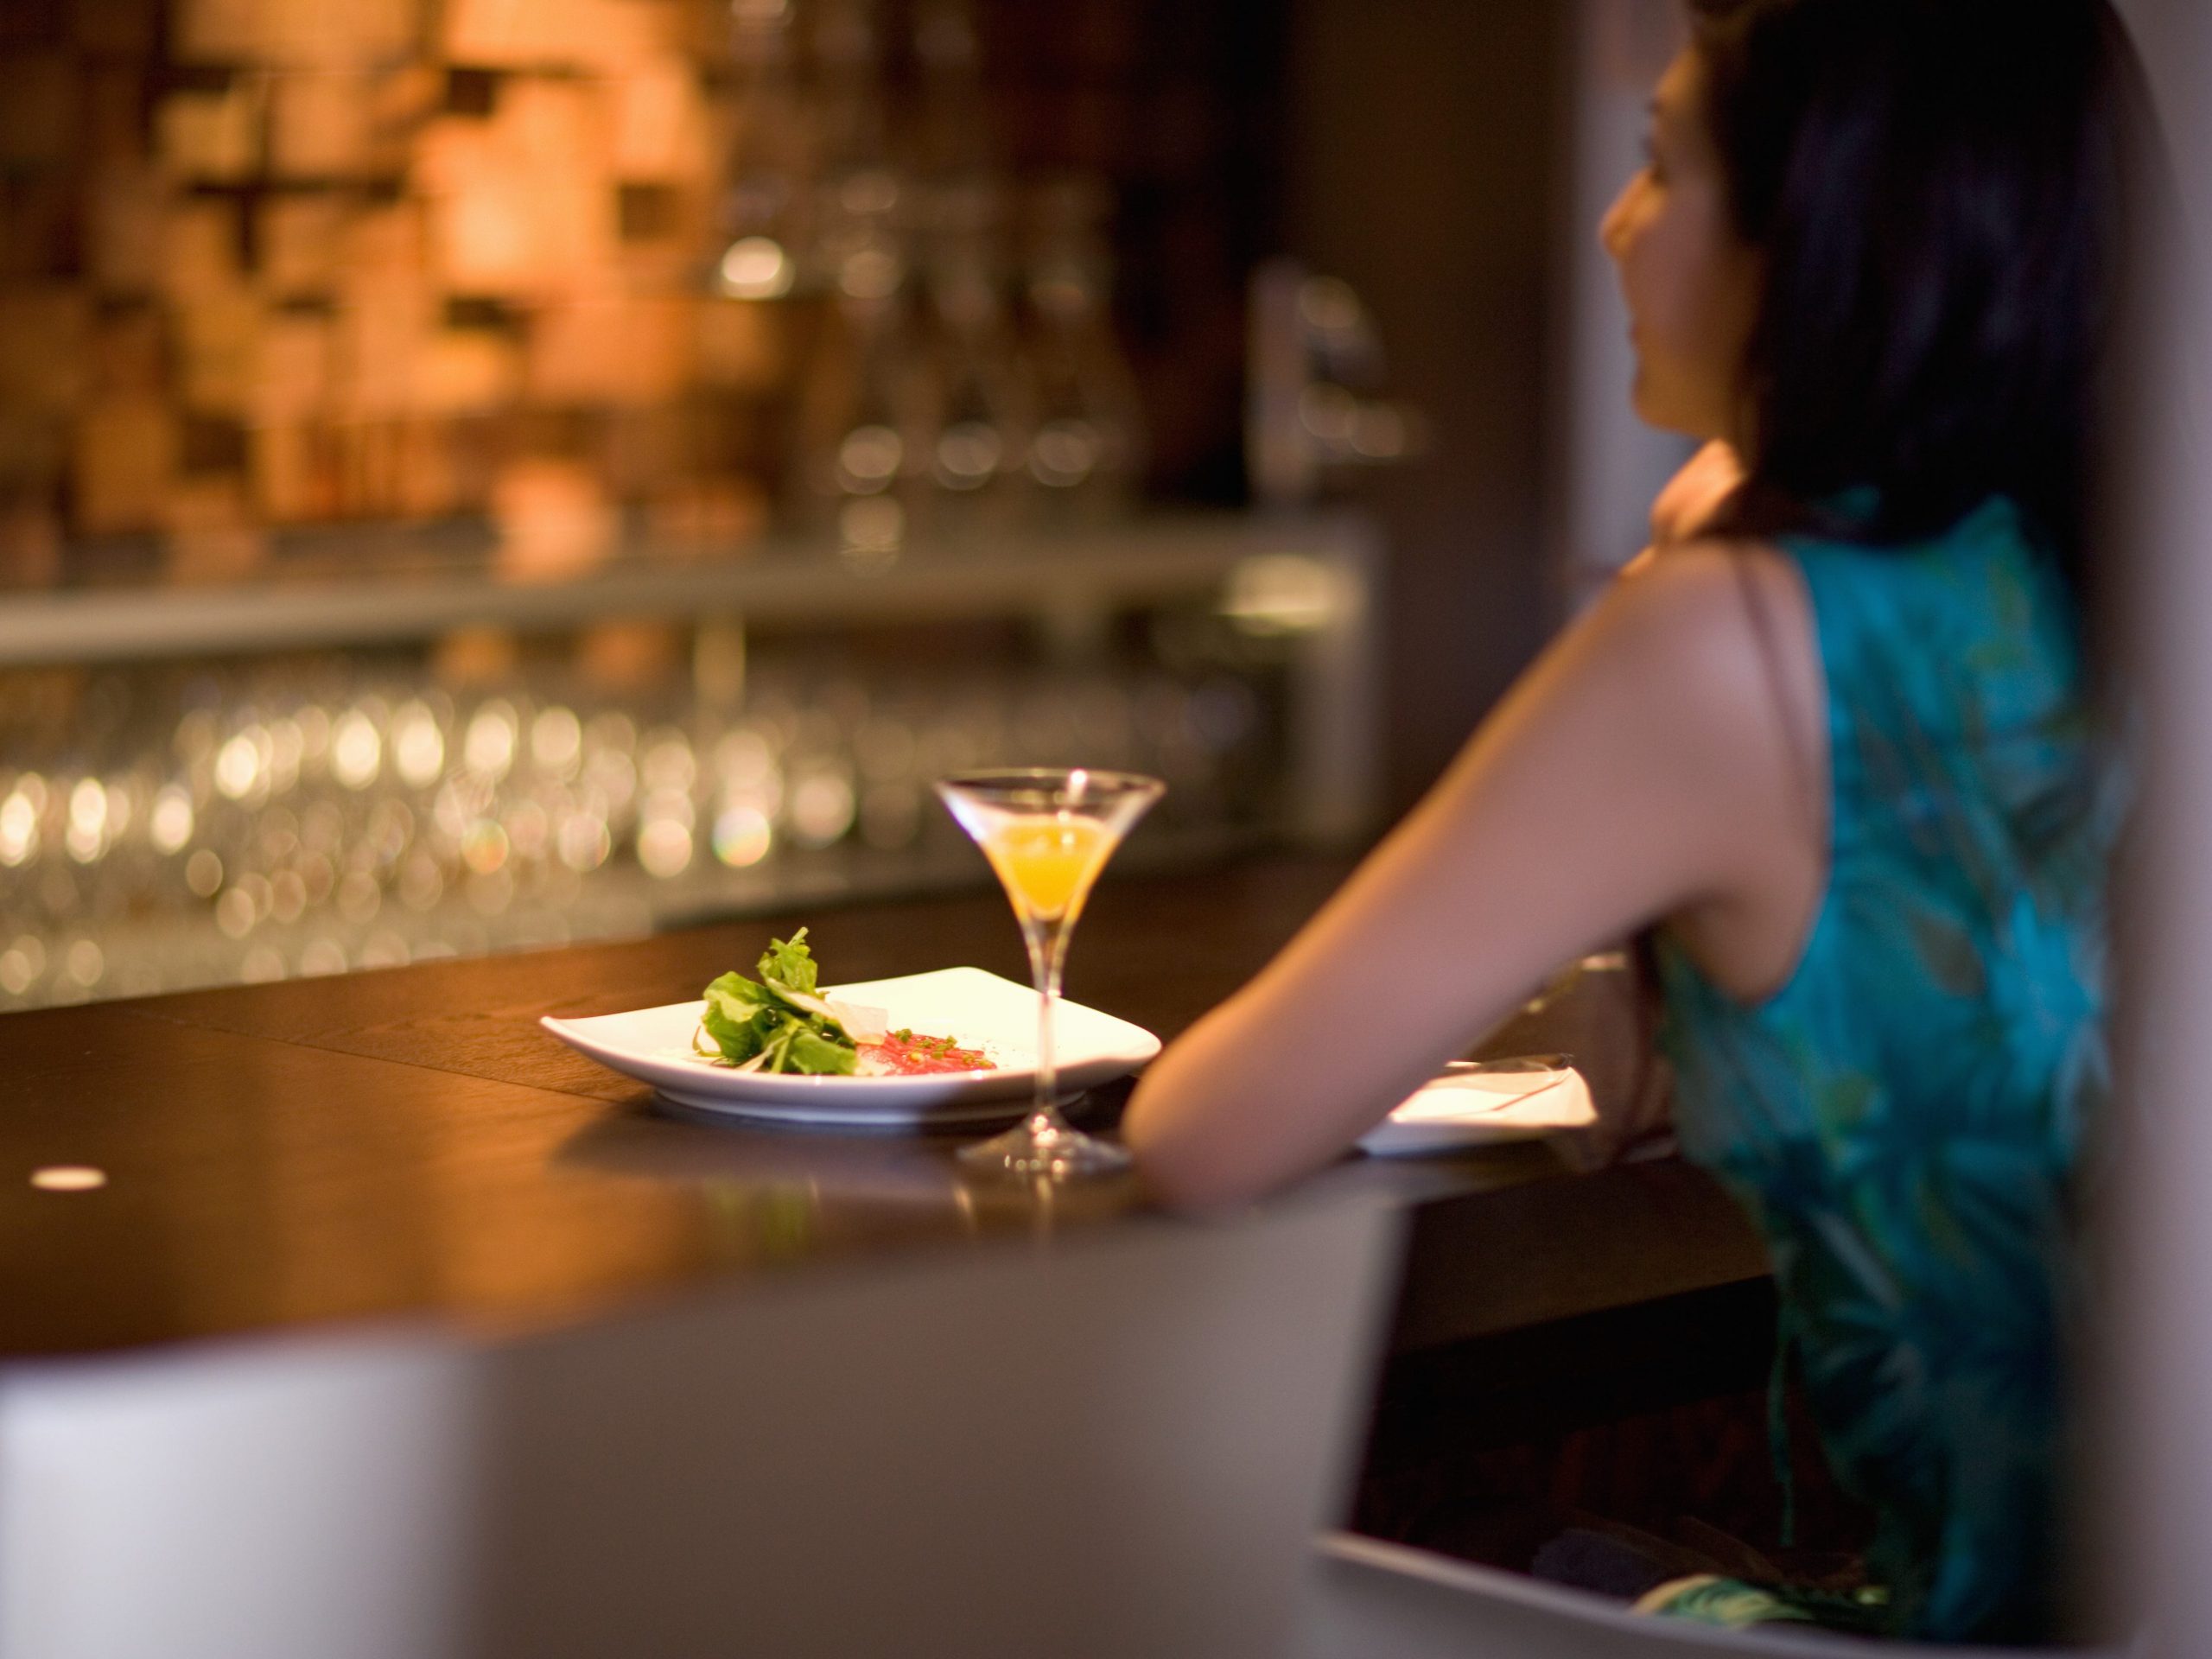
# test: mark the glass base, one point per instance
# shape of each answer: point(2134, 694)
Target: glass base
point(1043, 1148)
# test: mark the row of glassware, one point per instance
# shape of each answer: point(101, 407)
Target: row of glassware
point(965, 364)
point(300, 821)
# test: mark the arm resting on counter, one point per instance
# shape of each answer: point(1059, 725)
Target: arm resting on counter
point(1639, 771)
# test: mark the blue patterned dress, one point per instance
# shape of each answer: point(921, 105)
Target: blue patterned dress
point(1902, 1118)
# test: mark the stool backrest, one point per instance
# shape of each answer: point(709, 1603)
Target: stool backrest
point(1116, 1445)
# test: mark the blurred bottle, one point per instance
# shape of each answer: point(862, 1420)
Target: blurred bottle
point(851, 96)
point(1312, 414)
point(978, 428)
point(1086, 449)
point(953, 141)
point(864, 420)
point(763, 226)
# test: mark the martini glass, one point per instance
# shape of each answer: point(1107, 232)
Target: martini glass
point(1047, 832)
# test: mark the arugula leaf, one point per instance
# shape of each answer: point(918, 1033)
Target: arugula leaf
point(812, 1051)
point(738, 996)
point(789, 963)
point(739, 1017)
point(767, 1020)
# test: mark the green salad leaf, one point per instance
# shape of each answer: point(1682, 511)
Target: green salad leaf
point(789, 966)
point(778, 1024)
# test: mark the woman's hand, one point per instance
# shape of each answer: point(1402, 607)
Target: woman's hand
point(1694, 497)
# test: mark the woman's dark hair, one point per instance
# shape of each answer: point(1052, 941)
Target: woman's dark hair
point(1941, 190)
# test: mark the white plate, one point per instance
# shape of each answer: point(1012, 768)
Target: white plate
point(975, 1008)
point(1479, 1103)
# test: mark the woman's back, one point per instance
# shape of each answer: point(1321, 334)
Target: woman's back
point(1902, 1117)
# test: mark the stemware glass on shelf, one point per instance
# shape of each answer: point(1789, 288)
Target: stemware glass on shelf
point(1047, 832)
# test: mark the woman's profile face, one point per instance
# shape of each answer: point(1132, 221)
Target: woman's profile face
point(1692, 283)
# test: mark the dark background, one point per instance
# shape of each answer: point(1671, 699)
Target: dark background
point(1424, 164)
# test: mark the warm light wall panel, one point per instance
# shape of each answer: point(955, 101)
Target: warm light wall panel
point(38, 108)
point(292, 371)
point(217, 339)
point(297, 243)
point(321, 125)
point(658, 127)
point(611, 348)
point(124, 229)
point(299, 34)
point(211, 137)
point(45, 335)
point(123, 465)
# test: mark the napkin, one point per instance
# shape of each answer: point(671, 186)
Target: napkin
point(1478, 1105)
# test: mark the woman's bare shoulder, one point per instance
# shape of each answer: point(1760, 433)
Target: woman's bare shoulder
point(1722, 615)
point(1708, 649)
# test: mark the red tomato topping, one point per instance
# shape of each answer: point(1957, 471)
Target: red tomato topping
point(911, 1054)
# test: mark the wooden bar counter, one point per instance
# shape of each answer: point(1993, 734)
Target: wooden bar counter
point(408, 1144)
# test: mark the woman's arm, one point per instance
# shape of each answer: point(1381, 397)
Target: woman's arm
point(1639, 771)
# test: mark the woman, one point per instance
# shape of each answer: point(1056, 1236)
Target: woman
point(1830, 740)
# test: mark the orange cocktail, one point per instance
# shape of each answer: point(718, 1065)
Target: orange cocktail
point(1048, 833)
point(1047, 862)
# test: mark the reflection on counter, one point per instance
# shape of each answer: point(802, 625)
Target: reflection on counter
point(779, 1197)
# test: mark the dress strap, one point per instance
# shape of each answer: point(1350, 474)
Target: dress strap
point(1803, 777)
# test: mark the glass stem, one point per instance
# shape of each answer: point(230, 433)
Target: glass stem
point(1048, 954)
